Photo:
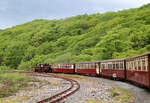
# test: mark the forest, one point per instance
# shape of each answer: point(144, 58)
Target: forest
point(79, 38)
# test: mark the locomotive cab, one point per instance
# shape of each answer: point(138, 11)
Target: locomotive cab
point(43, 67)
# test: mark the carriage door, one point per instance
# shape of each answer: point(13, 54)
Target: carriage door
point(97, 68)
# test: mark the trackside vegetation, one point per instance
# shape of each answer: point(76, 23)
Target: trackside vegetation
point(80, 38)
point(12, 82)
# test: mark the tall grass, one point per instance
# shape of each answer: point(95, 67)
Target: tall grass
point(12, 82)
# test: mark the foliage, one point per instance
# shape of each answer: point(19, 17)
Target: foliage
point(80, 38)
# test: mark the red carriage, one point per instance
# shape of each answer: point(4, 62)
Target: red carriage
point(113, 68)
point(138, 69)
point(63, 67)
point(135, 69)
point(87, 68)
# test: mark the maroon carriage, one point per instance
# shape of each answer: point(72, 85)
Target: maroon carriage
point(63, 67)
point(113, 68)
point(138, 69)
point(87, 68)
point(43, 67)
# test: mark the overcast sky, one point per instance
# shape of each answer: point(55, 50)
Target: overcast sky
point(14, 12)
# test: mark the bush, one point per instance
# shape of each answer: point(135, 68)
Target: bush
point(4, 68)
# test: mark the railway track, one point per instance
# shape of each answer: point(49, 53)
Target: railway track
point(74, 86)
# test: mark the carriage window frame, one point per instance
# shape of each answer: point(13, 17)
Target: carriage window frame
point(143, 64)
point(109, 65)
point(93, 66)
point(102, 65)
point(117, 65)
point(139, 64)
point(81, 66)
point(121, 65)
point(87, 66)
point(135, 64)
point(130, 65)
point(127, 65)
point(145, 58)
point(106, 66)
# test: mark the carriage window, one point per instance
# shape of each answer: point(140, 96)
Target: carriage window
point(103, 66)
point(92, 66)
point(135, 65)
point(114, 66)
point(109, 66)
point(71, 66)
point(139, 64)
point(121, 65)
point(83, 66)
point(117, 65)
point(146, 62)
point(87, 66)
point(131, 65)
point(106, 66)
point(80, 66)
point(68, 66)
point(128, 65)
point(143, 64)
point(77, 66)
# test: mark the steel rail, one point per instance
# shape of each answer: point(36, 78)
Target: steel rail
point(61, 95)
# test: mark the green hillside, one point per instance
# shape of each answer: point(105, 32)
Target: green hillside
point(80, 38)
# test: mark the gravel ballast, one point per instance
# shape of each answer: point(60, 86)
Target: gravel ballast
point(92, 90)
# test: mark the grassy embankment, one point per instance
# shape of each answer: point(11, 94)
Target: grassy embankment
point(12, 82)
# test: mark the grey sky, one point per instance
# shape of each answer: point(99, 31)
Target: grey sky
point(14, 12)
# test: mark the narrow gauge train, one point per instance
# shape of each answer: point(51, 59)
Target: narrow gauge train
point(135, 69)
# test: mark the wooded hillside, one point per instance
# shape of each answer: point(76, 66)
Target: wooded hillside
point(80, 38)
